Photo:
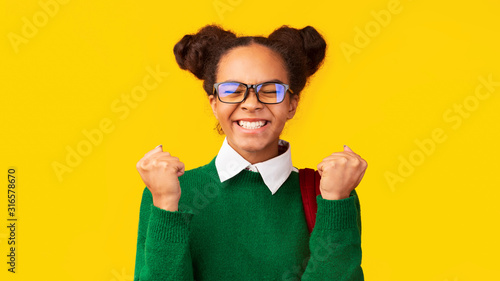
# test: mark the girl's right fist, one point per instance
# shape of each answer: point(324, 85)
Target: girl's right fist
point(160, 171)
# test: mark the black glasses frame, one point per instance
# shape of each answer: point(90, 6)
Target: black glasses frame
point(249, 86)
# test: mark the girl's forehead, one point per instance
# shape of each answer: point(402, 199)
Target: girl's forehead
point(251, 64)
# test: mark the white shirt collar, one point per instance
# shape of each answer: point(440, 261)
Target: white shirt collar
point(274, 171)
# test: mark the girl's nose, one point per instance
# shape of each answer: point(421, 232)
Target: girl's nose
point(251, 102)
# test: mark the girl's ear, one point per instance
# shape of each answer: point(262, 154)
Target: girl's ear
point(294, 102)
point(213, 103)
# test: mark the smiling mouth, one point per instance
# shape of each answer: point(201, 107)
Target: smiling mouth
point(252, 125)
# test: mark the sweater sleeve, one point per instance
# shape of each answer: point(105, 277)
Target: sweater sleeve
point(162, 243)
point(335, 242)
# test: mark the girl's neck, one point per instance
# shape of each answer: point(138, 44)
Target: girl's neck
point(262, 155)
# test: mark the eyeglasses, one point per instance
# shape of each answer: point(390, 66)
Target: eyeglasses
point(236, 92)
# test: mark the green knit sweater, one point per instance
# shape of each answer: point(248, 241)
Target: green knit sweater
point(237, 230)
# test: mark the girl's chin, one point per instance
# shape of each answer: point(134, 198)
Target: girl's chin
point(250, 144)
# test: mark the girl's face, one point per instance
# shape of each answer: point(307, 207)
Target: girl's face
point(253, 64)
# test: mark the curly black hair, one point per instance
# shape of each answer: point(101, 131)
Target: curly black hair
point(302, 50)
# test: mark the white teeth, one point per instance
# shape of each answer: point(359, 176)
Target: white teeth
point(251, 125)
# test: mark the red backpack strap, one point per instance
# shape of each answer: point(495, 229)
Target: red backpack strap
point(309, 187)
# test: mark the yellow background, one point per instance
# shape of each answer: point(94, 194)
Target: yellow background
point(439, 222)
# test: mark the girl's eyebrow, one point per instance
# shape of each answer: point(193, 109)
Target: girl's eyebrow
point(267, 81)
point(274, 80)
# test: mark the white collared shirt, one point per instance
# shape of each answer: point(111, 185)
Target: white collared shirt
point(274, 171)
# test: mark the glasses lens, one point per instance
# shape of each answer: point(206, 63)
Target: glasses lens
point(271, 93)
point(231, 92)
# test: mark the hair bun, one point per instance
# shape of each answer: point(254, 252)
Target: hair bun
point(314, 48)
point(309, 44)
point(193, 51)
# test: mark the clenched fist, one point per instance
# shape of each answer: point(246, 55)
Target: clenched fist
point(160, 171)
point(340, 173)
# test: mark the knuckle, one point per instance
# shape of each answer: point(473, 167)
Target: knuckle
point(153, 162)
point(330, 165)
point(143, 167)
point(162, 164)
point(342, 161)
point(143, 164)
point(356, 162)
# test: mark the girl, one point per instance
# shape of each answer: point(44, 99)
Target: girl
point(240, 217)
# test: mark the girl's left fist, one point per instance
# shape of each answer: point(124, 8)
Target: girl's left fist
point(340, 173)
